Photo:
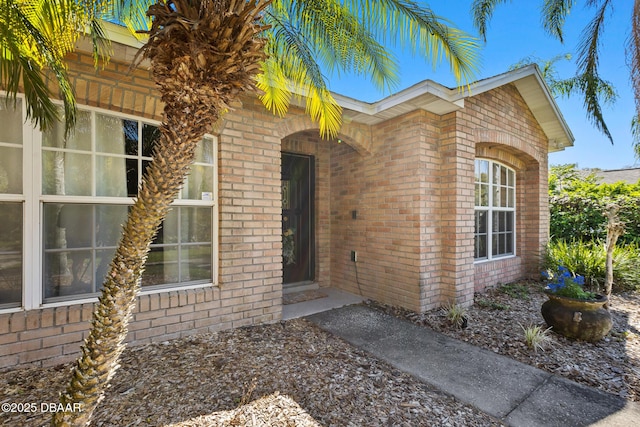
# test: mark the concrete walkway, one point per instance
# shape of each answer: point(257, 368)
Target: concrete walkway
point(517, 394)
point(334, 298)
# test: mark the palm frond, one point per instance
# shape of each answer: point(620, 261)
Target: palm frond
point(588, 62)
point(133, 14)
point(427, 34)
point(590, 40)
point(50, 51)
point(325, 110)
point(548, 71)
point(36, 36)
point(593, 90)
point(100, 42)
point(339, 41)
point(276, 93)
point(291, 71)
point(554, 13)
point(605, 90)
point(635, 133)
point(482, 12)
point(288, 43)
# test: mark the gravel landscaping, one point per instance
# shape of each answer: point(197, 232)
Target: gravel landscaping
point(294, 374)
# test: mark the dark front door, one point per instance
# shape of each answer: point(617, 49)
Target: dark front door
point(297, 218)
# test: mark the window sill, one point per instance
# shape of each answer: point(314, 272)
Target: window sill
point(142, 292)
point(484, 261)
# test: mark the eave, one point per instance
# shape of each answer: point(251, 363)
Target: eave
point(426, 95)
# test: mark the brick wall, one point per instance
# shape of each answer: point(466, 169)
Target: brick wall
point(248, 289)
point(392, 190)
point(50, 336)
point(414, 194)
point(409, 179)
point(507, 132)
point(250, 242)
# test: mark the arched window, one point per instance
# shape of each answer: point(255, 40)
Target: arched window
point(495, 210)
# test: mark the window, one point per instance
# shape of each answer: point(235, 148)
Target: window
point(79, 190)
point(11, 205)
point(494, 210)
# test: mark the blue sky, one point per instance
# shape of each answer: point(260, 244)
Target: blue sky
point(514, 33)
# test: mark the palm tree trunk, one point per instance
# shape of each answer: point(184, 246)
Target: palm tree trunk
point(199, 68)
point(104, 345)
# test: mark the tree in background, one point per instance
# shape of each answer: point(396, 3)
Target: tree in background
point(566, 87)
point(587, 80)
point(595, 229)
point(578, 205)
point(203, 55)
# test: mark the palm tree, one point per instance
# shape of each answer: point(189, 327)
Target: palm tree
point(567, 87)
point(203, 54)
point(36, 34)
point(587, 80)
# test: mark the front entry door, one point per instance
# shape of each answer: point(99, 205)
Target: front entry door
point(297, 218)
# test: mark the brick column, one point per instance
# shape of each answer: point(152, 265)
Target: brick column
point(250, 275)
point(457, 153)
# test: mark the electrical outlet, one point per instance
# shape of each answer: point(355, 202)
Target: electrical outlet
point(354, 256)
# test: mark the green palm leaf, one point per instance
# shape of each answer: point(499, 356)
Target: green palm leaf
point(587, 81)
point(482, 12)
point(554, 13)
point(305, 37)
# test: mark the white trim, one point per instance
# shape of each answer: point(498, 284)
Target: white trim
point(50, 198)
point(434, 97)
point(122, 35)
point(142, 292)
point(498, 258)
point(152, 291)
point(33, 201)
point(32, 256)
point(13, 197)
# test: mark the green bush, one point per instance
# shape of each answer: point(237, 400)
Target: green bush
point(587, 258)
point(577, 206)
point(578, 216)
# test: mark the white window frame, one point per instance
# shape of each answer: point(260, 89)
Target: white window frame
point(490, 209)
point(33, 201)
point(27, 232)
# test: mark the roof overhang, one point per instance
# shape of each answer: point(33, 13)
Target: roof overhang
point(426, 95)
point(435, 98)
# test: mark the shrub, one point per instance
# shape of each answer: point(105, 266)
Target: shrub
point(577, 206)
point(456, 314)
point(588, 259)
point(584, 258)
point(536, 338)
point(582, 217)
point(626, 267)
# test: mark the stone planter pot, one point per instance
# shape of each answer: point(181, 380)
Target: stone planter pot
point(585, 320)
